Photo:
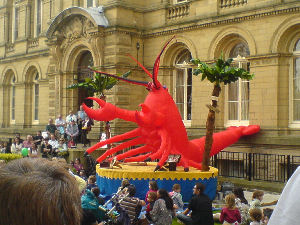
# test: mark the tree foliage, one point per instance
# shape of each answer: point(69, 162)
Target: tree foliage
point(221, 71)
point(98, 84)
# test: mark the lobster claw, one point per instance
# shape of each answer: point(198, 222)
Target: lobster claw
point(106, 112)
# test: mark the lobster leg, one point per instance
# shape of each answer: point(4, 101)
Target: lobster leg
point(137, 158)
point(117, 138)
point(164, 149)
point(133, 152)
point(120, 147)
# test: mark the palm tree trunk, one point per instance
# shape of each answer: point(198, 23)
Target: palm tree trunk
point(210, 125)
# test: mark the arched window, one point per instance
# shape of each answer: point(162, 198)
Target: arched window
point(36, 91)
point(238, 92)
point(13, 99)
point(183, 85)
point(296, 83)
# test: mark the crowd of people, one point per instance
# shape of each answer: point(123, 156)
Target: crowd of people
point(51, 187)
point(56, 137)
point(239, 211)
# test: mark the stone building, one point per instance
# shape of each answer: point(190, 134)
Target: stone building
point(46, 45)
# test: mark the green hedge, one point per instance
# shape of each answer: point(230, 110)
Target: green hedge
point(9, 157)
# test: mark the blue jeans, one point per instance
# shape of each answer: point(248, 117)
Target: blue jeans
point(187, 220)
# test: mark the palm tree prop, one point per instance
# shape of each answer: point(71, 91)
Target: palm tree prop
point(97, 86)
point(217, 73)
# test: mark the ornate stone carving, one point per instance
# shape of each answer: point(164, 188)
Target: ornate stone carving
point(75, 28)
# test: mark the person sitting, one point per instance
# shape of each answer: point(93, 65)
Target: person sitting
point(82, 174)
point(242, 204)
point(201, 207)
point(72, 132)
point(177, 197)
point(60, 124)
point(257, 198)
point(256, 216)
point(230, 214)
point(16, 146)
point(91, 182)
point(163, 211)
point(78, 166)
point(46, 149)
point(18, 135)
point(25, 197)
point(62, 146)
point(132, 205)
point(33, 151)
point(90, 202)
point(54, 143)
point(152, 188)
point(28, 142)
point(152, 197)
point(38, 138)
point(96, 192)
point(50, 128)
point(267, 213)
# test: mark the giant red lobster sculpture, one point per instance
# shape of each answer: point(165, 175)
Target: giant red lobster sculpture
point(160, 128)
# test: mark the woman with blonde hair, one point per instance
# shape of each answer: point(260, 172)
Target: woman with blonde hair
point(230, 215)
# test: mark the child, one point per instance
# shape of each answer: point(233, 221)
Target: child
point(91, 182)
point(152, 188)
point(177, 197)
point(257, 197)
point(152, 196)
point(267, 212)
point(256, 216)
point(230, 214)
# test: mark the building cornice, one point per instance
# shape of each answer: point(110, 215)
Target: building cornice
point(215, 23)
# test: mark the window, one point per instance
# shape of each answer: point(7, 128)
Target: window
point(38, 17)
point(16, 23)
point(183, 85)
point(13, 98)
point(296, 83)
point(36, 90)
point(90, 3)
point(238, 92)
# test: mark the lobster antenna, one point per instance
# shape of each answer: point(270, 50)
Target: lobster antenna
point(157, 61)
point(147, 71)
point(142, 83)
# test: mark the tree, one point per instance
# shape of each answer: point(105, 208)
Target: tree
point(219, 72)
point(96, 86)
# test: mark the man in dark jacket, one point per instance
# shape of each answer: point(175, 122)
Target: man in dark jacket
point(201, 207)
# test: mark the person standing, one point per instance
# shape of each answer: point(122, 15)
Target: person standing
point(50, 128)
point(60, 124)
point(201, 207)
point(71, 117)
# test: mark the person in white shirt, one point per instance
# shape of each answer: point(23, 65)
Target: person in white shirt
point(54, 143)
point(17, 146)
point(60, 124)
point(71, 117)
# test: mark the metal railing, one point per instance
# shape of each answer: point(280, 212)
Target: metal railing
point(256, 166)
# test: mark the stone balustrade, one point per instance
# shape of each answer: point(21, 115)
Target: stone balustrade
point(232, 3)
point(178, 11)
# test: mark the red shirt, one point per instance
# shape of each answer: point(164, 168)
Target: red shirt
point(230, 215)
